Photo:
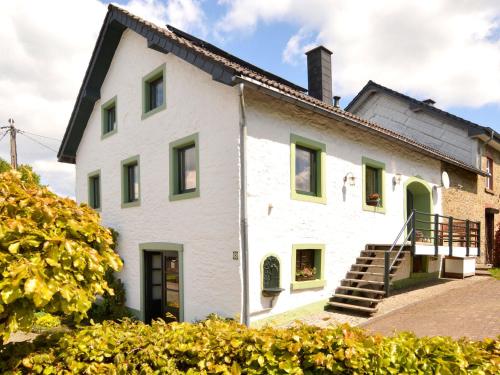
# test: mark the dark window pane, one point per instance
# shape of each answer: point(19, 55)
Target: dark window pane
point(305, 170)
point(155, 93)
point(372, 183)
point(305, 265)
point(110, 119)
point(132, 183)
point(95, 194)
point(187, 169)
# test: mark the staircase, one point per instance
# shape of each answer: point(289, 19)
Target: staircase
point(363, 287)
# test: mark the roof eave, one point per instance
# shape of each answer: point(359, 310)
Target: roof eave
point(339, 117)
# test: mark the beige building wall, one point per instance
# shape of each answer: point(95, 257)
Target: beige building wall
point(468, 197)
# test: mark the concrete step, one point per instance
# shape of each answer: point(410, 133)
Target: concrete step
point(370, 310)
point(383, 251)
point(480, 266)
point(381, 266)
point(356, 298)
point(363, 290)
point(378, 274)
point(361, 281)
point(483, 273)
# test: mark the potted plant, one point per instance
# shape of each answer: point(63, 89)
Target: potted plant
point(305, 274)
point(373, 199)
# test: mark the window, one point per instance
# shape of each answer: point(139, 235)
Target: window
point(308, 266)
point(307, 170)
point(184, 168)
point(373, 185)
point(153, 92)
point(271, 273)
point(94, 186)
point(130, 182)
point(108, 118)
point(489, 169)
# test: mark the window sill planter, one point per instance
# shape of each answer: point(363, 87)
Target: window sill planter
point(271, 292)
point(373, 202)
point(310, 284)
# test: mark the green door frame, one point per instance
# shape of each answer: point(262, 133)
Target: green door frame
point(162, 247)
point(430, 210)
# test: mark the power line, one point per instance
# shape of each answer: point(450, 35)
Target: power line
point(38, 135)
point(3, 135)
point(34, 140)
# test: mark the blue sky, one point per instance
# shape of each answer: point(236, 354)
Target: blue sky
point(441, 49)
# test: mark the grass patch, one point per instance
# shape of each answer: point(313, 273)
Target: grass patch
point(495, 272)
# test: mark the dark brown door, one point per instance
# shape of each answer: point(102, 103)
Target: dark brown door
point(490, 237)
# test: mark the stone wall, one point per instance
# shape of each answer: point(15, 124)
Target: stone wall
point(467, 197)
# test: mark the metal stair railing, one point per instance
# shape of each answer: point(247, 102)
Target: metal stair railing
point(440, 229)
point(387, 255)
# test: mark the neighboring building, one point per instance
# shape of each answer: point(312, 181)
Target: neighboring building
point(235, 191)
point(477, 198)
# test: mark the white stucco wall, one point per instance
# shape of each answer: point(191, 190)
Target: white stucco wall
point(448, 136)
point(342, 225)
point(207, 226)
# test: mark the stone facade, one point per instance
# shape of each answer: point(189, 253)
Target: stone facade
point(468, 196)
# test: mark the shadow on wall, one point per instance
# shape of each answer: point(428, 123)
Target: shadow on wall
point(495, 257)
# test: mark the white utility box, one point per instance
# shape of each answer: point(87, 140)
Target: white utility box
point(459, 267)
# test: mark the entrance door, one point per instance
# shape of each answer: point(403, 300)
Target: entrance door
point(162, 285)
point(490, 237)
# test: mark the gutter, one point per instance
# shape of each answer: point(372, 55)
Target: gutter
point(339, 117)
point(243, 207)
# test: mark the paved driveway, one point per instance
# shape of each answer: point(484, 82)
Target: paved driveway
point(472, 311)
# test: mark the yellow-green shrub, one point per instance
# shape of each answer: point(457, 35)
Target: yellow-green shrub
point(53, 254)
point(225, 347)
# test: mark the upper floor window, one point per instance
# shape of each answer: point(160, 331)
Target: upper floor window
point(108, 117)
point(489, 170)
point(153, 92)
point(373, 185)
point(307, 165)
point(130, 182)
point(94, 186)
point(184, 168)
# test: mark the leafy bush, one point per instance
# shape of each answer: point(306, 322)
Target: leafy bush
point(225, 347)
point(44, 321)
point(53, 254)
point(26, 171)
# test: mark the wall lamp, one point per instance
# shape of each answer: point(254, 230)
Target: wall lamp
point(350, 179)
point(396, 180)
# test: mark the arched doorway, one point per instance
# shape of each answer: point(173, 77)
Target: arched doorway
point(418, 196)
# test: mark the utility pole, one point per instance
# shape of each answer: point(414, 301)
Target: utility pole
point(13, 145)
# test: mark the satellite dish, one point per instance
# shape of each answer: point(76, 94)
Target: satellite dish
point(445, 180)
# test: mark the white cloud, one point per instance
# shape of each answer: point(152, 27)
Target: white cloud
point(187, 15)
point(46, 46)
point(445, 49)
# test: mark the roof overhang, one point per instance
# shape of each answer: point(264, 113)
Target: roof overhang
point(352, 122)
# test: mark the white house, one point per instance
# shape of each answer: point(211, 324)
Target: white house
point(235, 191)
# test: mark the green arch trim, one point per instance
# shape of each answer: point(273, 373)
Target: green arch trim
point(422, 182)
point(262, 268)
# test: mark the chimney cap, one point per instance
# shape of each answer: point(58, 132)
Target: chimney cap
point(429, 101)
point(319, 47)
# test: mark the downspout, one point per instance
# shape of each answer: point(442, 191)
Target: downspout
point(243, 206)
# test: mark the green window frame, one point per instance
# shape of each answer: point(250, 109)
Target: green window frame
point(317, 193)
point(161, 246)
point(373, 179)
point(108, 115)
point(94, 190)
point(177, 174)
point(127, 199)
point(319, 264)
point(149, 82)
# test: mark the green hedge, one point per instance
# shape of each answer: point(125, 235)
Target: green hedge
point(225, 347)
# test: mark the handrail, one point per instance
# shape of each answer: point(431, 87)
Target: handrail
point(387, 264)
point(448, 231)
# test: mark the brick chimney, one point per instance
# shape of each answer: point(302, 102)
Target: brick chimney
point(319, 74)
